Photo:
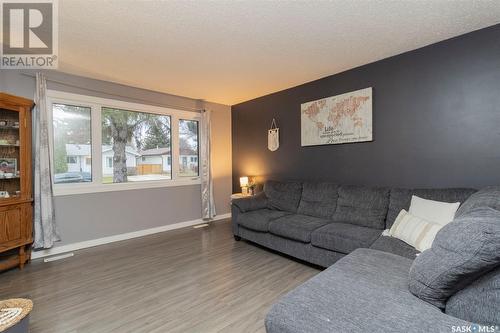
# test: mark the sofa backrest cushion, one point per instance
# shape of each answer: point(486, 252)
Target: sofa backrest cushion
point(479, 302)
point(400, 198)
point(318, 199)
point(485, 197)
point(283, 195)
point(364, 206)
point(462, 251)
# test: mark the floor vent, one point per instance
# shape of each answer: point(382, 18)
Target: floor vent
point(59, 257)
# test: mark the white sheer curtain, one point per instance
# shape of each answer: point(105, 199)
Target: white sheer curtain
point(207, 188)
point(46, 232)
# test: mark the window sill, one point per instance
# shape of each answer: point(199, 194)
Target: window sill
point(71, 189)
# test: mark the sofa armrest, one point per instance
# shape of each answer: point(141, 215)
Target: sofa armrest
point(256, 202)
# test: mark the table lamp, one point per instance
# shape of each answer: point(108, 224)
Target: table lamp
point(244, 184)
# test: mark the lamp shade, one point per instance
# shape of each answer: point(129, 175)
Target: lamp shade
point(243, 181)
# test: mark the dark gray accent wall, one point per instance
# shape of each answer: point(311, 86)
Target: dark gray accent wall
point(436, 121)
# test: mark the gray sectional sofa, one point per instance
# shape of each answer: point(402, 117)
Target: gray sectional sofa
point(322, 222)
point(375, 283)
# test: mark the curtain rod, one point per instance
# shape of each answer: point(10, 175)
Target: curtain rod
point(121, 96)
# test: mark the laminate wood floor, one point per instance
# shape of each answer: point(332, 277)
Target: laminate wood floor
point(186, 280)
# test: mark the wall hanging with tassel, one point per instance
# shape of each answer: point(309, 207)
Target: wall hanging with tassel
point(273, 137)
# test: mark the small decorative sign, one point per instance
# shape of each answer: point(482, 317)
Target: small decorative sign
point(345, 118)
point(273, 137)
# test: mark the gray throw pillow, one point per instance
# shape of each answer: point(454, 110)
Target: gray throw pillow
point(479, 302)
point(462, 251)
point(485, 197)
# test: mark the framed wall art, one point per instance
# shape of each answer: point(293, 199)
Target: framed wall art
point(345, 118)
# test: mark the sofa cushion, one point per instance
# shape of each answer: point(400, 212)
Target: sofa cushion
point(299, 250)
point(318, 199)
point(394, 245)
point(479, 302)
point(344, 237)
point(401, 198)
point(296, 227)
point(258, 220)
point(365, 291)
point(283, 195)
point(462, 251)
point(486, 197)
point(364, 206)
point(414, 231)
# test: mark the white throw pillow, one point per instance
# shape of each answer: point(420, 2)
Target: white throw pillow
point(414, 231)
point(433, 211)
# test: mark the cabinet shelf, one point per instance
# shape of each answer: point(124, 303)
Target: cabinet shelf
point(16, 200)
point(16, 211)
point(12, 198)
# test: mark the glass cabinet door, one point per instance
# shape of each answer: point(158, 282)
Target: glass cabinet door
point(10, 184)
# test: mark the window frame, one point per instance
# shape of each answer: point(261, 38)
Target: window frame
point(96, 104)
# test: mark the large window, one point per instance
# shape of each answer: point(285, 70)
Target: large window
point(98, 143)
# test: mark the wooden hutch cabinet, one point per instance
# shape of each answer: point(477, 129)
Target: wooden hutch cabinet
point(16, 202)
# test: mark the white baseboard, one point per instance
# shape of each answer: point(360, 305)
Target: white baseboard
point(120, 237)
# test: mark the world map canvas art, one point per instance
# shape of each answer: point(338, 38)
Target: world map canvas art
point(345, 118)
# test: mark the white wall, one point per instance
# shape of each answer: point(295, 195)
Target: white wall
point(166, 166)
point(108, 171)
point(89, 216)
point(79, 165)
